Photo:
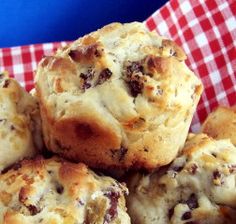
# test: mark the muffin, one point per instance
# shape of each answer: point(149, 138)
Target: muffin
point(221, 123)
point(120, 97)
point(20, 125)
point(197, 188)
point(54, 191)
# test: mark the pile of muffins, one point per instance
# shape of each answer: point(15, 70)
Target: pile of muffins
point(103, 138)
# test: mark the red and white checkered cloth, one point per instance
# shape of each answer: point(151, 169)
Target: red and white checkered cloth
point(206, 30)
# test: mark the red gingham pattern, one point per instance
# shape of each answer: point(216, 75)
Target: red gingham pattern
point(21, 62)
point(206, 30)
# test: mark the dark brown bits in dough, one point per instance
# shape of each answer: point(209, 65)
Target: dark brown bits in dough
point(192, 202)
point(145, 150)
point(214, 154)
point(232, 168)
point(14, 166)
point(173, 53)
point(6, 83)
point(136, 87)
point(159, 91)
point(134, 67)
point(33, 209)
point(193, 168)
point(86, 77)
point(134, 77)
point(216, 174)
point(86, 54)
point(177, 168)
point(59, 188)
point(111, 213)
point(217, 177)
point(12, 127)
point(97, 53)
point(104, 76)
point(186, 215)
point(73, 54)
point(86, 85)
point(119, 154)
point(170, 212)
point(80, 203)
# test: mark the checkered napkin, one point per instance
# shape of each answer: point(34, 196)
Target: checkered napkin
point(206, 30)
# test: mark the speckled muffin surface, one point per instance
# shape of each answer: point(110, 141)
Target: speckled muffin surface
point(20, 125)
point(119, 97)
point(54, 191)
point(221, 124)
point(199, 187)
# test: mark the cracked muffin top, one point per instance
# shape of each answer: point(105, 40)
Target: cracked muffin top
point(54, 191)
point(20, 123)
point(199, 187)
point(118, 97)
point(221, 124)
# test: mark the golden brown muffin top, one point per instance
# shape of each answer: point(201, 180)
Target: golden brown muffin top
point(56, 191)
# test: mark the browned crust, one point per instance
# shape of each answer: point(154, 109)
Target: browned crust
point(69, 180)
point(64, 65)
point(175, 49)
point(196, 143)
point(86, 54)
point(89, 138)
point(157, 64)
point(80, 133)
point(221, 123)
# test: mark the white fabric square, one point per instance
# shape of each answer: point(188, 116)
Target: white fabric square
point(186, 48)
point(48, 46)
point(162, 27)
point(208, 14)
point(193, 22)
point(223, 6)
point(185, 7)
point(221, 96)
point(229, 68)
point(231, 23)
point(216, 31)
point(201, 40)
point(208, 58)
point(18, 68)
point(215, 77)
point(34, 65)
point(15, 51)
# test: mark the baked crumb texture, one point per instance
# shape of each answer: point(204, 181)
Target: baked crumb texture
point(20, 123)
point(54, 191)
point(120, 97)
point(197, 188)
point(221, 124)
